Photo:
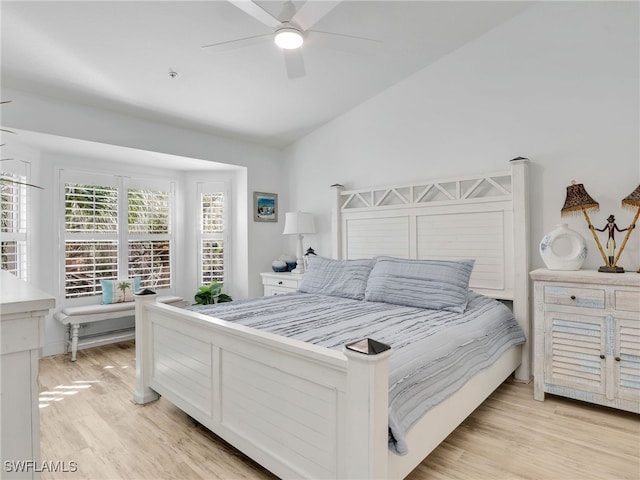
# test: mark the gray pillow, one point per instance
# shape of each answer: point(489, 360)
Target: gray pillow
point(338, 278)
point(433, 284)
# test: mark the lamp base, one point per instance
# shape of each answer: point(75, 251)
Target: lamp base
point(614, 269)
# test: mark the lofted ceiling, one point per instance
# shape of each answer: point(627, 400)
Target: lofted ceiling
point(119, 54)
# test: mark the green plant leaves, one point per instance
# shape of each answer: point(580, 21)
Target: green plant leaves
point(212, 293)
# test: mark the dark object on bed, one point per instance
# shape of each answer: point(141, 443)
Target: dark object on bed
point(369, 346)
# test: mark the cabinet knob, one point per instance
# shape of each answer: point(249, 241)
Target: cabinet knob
point(573, 297)
point(617, 359)
point(280, 282)
point(602, 356)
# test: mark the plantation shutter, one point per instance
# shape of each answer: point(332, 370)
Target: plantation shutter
point(212, 232)
point(13, 218)
point(116, 228)
point(149, 254)
point(91, 237)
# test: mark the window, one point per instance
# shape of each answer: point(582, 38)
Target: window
point(212, 232)
point(13, 218)
point(149, 254)
point(114, 228)
point(91, 237)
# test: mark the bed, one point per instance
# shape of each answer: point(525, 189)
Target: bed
point(324, 412)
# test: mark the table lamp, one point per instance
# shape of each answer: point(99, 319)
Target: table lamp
point(630, 201)
point(578, 200)
point(299, 223)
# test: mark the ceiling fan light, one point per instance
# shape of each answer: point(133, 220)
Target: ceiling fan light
point(288, 38)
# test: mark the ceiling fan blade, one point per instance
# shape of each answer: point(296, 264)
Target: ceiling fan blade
point(294, 63)
point(343, 42)
point(257, 12)
point(312, 11)
point(238, 43)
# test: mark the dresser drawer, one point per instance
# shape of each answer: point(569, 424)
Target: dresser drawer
point(280, 282)
point(574, 296)
point(270, 291)
point(627, 300)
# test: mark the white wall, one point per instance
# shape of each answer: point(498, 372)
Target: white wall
point(558, 84)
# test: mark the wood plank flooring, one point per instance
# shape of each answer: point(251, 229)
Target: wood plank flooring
point(88, 417)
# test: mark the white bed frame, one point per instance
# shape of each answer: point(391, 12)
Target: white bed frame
point(304, 411)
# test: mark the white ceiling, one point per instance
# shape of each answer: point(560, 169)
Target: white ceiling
point(118, 54)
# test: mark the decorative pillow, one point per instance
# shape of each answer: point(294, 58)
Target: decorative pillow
point(434, 284)
point(117, 291)
point(338, 278)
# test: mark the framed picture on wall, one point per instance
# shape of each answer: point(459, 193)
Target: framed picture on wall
point(265, 207)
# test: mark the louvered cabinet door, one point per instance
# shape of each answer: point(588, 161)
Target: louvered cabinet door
point(575, 355)
point(626, 366)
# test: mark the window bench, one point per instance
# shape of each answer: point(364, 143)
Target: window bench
point(73, 317)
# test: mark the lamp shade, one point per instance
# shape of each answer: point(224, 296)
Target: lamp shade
point(298, 223)
point(578, 200)
point(633, 199)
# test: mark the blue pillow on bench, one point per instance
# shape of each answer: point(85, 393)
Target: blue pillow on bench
point(118, 291)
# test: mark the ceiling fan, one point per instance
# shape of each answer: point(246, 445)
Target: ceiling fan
point(290, 30)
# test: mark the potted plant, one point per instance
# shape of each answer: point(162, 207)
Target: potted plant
point(212, 293)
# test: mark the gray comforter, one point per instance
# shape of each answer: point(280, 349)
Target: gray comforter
point(435, 351)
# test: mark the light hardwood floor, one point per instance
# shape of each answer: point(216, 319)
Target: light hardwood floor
point(87, 417)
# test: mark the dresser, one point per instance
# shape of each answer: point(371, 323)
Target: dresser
point(279, 283)
point(586, 336)
point(22, 312)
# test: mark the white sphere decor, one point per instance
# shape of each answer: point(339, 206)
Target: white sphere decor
point(563, 249)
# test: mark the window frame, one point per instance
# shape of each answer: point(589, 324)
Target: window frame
point(140, 237)
point(20, 170)
point(123, 237)
point(203, 188)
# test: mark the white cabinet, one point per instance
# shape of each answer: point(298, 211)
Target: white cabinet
point(22, 312)
point(278, 283)
point(587, 337)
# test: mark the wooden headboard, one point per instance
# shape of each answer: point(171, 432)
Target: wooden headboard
point(484, 217)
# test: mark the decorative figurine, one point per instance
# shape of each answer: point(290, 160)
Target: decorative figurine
point(611, 227)
point(305, 257)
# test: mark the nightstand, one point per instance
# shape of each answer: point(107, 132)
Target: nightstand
point(279, 283)
point(586, 336)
